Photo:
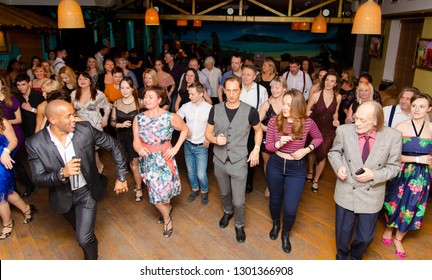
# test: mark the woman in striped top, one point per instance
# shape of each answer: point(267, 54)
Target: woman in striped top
point(286, 173)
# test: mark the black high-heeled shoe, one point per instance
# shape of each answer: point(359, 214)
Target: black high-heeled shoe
point(309, 179)
point(161, 219)
point(274, 232)
point(28, 215)
point(314, 190)
point(7, 234)
point(167, 232)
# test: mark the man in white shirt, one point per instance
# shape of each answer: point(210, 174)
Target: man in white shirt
point(298, 79)
point(196, 145)
point(194, 64)
point(103, 50)
point(59, 62)
point(395, 114)
point(214, 75)
point(254, 95)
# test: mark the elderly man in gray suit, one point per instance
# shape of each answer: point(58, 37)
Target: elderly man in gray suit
point(364, 156)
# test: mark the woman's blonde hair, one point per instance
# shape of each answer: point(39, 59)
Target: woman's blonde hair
point(70, 73)
point(368, 85)
point(153, 75)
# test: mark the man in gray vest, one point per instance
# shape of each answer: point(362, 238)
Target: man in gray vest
point(228, 129)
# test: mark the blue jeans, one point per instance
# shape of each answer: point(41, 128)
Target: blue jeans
point(286, 180)
point(196, 158)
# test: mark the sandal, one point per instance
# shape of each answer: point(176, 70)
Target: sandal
point(309, 179)
point(400, 254)
point(138, 198)
point(5, 235)
point(28, 215)
point(314, 190)
point(161, 219)
point(167, 232)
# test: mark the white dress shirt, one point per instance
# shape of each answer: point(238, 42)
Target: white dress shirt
point(250, 96)
point(296, 81)
point(66, 153)
point(196, 119)
point(214, 76)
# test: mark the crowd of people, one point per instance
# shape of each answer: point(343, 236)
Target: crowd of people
point(144, 111)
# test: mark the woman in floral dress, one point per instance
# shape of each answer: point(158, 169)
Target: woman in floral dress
point(407, 193)
point(152, 132)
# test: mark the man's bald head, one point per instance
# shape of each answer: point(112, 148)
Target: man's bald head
point(61, 116)
point(54, 106)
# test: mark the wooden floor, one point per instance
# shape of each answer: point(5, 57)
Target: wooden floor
point(128, 230)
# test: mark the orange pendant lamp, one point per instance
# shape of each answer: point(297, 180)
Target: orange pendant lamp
point(182, 22)
point(367, 19)
point(305, 26)
point(197, 23)
point(319, 24)
point(151, 16)
point(295, 26)
point(69, 15)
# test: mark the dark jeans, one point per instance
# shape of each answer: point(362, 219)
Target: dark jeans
point(82, 217)
point(250, 147)
point(362, 225)
point(286, 180)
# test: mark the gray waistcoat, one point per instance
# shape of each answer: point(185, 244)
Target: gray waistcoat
point(237, 133)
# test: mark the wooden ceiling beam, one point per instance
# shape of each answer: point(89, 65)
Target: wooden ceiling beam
point(271, 10)
point(174, 7)
point(316, 7)
point(215, 7)
point(228, 18)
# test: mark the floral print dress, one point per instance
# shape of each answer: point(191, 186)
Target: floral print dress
point(160, 176)
point(407, 193)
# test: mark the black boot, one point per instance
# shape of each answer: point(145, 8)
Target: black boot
point(274, 232)
point(286, 245)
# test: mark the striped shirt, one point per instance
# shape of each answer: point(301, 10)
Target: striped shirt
point(273, 136)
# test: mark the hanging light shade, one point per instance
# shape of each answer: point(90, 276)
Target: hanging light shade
point(182, 22)
point(304, 26)
point(70, 14)
point(295, 26)
point(367, 19)
point(197, 23)
point(151, 16)
point(319, 24)
point(3, 46)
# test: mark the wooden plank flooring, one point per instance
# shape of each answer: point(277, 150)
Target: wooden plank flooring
point(128, 230)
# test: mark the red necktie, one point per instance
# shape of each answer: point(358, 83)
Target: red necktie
point(366, 149)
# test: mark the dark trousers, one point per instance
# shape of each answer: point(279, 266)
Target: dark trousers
point(82, 217)
point(20, 161)
point(362, 225)
point(250, 147)
point(286, 180)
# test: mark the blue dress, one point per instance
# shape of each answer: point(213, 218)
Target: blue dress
point(6, 175)
point(407, 193)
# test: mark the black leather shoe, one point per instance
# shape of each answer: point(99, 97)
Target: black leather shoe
point(28, 191)
point(286, 245)
point(193, 195)
point(223, 223)
point(274, 232)
point(249, 189)
point(240, 234)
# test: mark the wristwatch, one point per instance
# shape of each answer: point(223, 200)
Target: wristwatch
point(122, 178)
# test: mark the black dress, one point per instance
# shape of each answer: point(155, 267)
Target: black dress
point(125, 135)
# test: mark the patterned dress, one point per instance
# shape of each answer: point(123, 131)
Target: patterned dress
point(91, 111)
point(407, 193)
point(160, 176)
point(6, 175)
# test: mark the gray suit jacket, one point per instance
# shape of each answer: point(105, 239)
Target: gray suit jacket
point(383, 160)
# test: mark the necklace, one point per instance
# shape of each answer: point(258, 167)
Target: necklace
point(128, 103)
point(415, 130)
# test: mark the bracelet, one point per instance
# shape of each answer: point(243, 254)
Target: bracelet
point(417, 160)
point(309, 148)
point(33, 110)
point(257, 147)
point(62, 176)
point(6, 150)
